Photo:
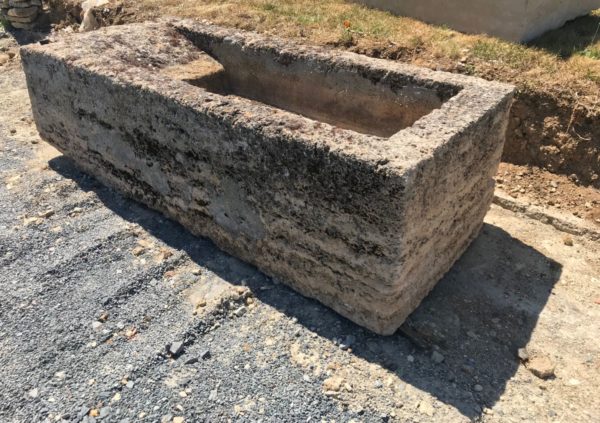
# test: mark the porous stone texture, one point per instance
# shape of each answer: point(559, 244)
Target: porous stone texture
point(247, 140)
point(513, 20)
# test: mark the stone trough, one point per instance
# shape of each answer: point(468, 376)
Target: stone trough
point(356, 181)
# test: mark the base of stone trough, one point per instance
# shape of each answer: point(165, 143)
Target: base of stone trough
point(513, 20)
point(357, 181)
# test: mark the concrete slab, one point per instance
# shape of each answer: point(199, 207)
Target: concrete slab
point(513, 20)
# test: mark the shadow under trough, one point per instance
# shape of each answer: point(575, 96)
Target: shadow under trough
point(477, 317)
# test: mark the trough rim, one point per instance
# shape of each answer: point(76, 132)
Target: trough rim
point(475, 99)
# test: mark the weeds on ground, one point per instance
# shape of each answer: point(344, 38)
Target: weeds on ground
point(3, 24)
point(593, 76)
point(514, 55)
point(593, 51)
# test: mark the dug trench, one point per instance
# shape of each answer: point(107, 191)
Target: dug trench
point(556, 131)
point(556, 134)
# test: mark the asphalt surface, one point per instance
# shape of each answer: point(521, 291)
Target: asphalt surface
point(96, 292)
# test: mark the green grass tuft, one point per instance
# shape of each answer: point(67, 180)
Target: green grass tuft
point(513, 55)
point(4, 25)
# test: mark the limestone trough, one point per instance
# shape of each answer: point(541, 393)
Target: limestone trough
point(356, 181)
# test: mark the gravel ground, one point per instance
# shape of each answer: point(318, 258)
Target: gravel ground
point(111, 313)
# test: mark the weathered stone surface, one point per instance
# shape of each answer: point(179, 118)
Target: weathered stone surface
point(23, 3)
point(24, 12)
point(356, 181)
point(514, 20)
point(19, 19)
point(22, 25)
point(541, 366)
point(203, 71)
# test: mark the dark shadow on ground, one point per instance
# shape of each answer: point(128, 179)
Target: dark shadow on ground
point(23, 37)
point(578, 36)
point(479, 314)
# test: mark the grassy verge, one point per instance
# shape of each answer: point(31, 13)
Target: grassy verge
point(3, 23)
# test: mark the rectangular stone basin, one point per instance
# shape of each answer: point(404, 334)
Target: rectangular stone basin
point(513, 20)
point(357, 181)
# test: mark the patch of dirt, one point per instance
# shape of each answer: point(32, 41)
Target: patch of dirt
point(69, 14)
point(64, 13)
point(382, 50)
point(559, 135)
point(546, 189)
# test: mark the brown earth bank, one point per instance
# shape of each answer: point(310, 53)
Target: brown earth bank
point(548, 190)
point(556, 134)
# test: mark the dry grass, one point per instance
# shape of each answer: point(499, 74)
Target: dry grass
point(564, 62)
